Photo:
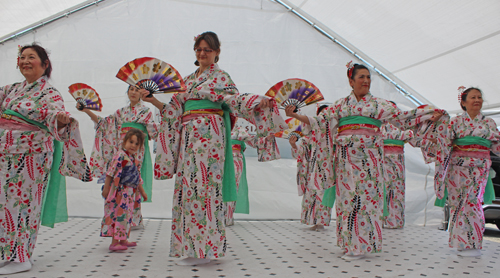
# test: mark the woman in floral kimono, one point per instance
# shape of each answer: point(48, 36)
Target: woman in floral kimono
point(110, 132)
point(33, 124)
point(267, 150)
point(462, 155)
point(394, 173)
point(359, 159)
point(310, 184)
point(194, 144)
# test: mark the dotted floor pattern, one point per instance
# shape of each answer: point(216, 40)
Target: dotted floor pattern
point(255, 249)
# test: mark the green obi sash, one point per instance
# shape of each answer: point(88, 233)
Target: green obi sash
point(394, 142)
point(54, 205)
point(351, 120)
point(330, 194)
point(242, 203)
point(228, 180)
point(472, 140)
point(147, 165)
point(489, 191)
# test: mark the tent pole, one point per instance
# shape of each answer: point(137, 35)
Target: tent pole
point(403, 89)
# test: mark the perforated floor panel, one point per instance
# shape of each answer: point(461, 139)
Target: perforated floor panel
point(257, 249)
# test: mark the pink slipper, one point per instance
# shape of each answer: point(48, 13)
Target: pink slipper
point(117, 247)
point(129, 244)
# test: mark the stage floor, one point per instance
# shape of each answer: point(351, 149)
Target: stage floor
point(257, 249)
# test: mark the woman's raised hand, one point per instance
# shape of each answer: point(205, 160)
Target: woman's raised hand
point(293, 139)
point(438, 113)
point(63, 118)
point(289, 110)
point(265, 103)
point(145, 95)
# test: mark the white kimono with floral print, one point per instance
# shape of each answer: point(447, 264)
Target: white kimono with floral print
point(267, 150)
point(358, 167)
point(394, 174)
point(193, 150)
point(310, 186)
point(26, 159)
point(464, 174)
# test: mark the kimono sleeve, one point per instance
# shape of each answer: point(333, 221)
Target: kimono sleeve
point(267, 121)
point(495, 143)
point(168, 139)
point(302, 154)
point(151, 126)
point(267, 148)
point(115, 166)
point(73, 160)
point(105, 142)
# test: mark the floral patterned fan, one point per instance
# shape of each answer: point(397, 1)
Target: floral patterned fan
point(294, 128)
point(86, 96)
point(153, 75)
point(298, 92)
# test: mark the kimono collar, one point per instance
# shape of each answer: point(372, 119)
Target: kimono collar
point(131, 156)
point(137, 105)
point(42, 80)
point(352, 97)
point(206, 73)
point(477, 118)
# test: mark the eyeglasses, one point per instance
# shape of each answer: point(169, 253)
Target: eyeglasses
point(207, 50)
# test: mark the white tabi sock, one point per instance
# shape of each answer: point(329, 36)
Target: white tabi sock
point(469, 253)
point(352, 257)
point(15, 267)
point(193, 261)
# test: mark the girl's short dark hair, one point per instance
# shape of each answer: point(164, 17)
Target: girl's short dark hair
point(212, 41)
point(42, 54)
point(138, 133)
point(466, 93)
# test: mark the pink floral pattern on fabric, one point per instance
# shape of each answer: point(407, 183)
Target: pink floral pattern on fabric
point(109, 139)
point(119, 206)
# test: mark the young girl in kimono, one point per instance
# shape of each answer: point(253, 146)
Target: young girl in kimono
point(309, 182)
point(462, 155)
point(194, 145)
point(355, 122)
point(109, 136)
point(123, 180)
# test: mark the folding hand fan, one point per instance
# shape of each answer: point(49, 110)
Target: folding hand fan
point(153, 75)
point(297, 92)
point(86, 96)
point(294, 128)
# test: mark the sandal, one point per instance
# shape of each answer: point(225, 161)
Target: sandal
point(117, 247)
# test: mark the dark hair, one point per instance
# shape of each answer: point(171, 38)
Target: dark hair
point(42, 54)
point(466, 93)
point(212, 41)
point(321, 109)
point(352, 72)
point(136, 132)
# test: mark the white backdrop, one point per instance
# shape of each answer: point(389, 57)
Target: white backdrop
point(262, 44)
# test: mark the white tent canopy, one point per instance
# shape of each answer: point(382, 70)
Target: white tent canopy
point(429, 48)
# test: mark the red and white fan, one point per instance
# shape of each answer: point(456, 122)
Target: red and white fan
point(86, 96)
